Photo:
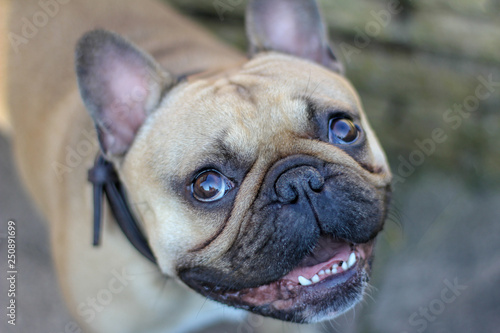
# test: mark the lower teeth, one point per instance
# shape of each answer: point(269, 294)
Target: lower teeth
point(334, 270)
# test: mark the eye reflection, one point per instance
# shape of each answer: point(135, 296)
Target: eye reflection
point(343, 131)
point(210, 186)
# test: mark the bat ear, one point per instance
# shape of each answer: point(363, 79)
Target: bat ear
point(290, 26)
point(120, 86)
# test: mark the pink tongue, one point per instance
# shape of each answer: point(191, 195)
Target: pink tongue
point(341, 254)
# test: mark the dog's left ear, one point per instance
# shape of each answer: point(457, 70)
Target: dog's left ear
point(290, 26)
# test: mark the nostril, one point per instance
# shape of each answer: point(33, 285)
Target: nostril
point(286, 191)
point(292, 183)
point(316, 183)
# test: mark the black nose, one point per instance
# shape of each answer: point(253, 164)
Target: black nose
point(300, 181)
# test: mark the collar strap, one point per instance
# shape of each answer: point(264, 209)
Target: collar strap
point(106, 182)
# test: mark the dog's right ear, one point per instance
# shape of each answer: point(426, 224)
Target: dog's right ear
point(120, 86)
point(290, 26)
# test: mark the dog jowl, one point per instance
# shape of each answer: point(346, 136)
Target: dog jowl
point(267, 185)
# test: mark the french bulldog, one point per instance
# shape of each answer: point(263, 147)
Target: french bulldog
point(256, 180)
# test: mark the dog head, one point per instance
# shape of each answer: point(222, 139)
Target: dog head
point(265, 184)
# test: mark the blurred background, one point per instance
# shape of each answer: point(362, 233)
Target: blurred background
point(428, 73)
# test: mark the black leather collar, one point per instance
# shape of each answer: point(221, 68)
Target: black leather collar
point(105, 180)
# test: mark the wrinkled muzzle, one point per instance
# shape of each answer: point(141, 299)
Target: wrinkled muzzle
point(310, 221)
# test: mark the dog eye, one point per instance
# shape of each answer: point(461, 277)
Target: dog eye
point(343, 131)
point(210, 186)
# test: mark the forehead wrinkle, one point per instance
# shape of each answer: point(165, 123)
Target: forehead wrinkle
point(257, 112)
point(316, 79)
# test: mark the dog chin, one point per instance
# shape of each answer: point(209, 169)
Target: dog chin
point(327, 282)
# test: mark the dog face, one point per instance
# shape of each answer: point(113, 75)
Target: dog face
point(265, 184)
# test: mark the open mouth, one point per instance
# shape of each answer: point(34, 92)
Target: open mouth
point(330, 258)
point(326, 282)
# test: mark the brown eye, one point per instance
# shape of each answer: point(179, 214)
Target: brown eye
point(343, 131)
point(210, 186)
